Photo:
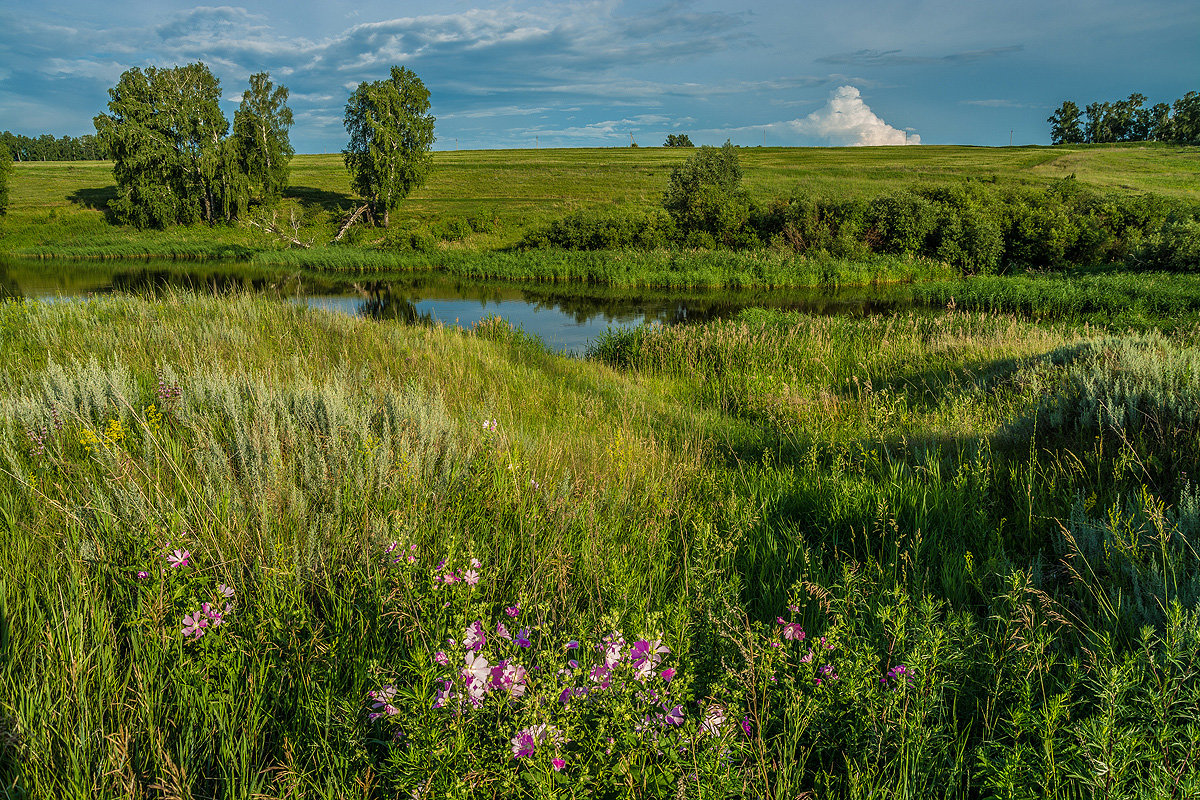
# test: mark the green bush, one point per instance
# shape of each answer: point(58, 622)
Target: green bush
point(609, 228)
point(1174, 247)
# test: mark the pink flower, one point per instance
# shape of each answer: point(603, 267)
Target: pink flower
point(471, 577)
point(558, 764)
point(194, 624)
point(225, 590)
point(441, 658)
point(178, 559)
point(502, 631)
point(674, 716)
point(668, 674)
point(474, 639)
point(512, 611)
point(142, 575)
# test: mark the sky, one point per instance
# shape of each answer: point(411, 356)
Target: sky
point(604, 73)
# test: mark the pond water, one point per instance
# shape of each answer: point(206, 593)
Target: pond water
point(566, 317)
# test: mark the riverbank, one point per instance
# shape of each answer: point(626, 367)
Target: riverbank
point(937, 554)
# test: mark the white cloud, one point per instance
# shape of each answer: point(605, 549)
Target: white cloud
point(847, 121)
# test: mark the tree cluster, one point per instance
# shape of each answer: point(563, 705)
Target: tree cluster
point(1128, 120)
point(47, 148)
point(678, 140)
point(174, 160)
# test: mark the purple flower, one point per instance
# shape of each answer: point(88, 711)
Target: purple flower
point(225, 590)
point(502, 631)
point(522, 639)
point(523, 745)
point(668, 674)
point(512, 611)
point(474, 638)
point(674, 716)
point(142, 575)
point(572, 645)
point(746, 726)
point(471, 577)
point(558, 764)
point(441, 658)
point(791, 630)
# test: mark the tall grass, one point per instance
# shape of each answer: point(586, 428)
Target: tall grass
point(869, 579)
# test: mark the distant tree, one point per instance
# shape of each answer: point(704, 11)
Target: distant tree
point(6, 170)
point(1122, 118)
point(1158, 123)
point(1098, 127)
point(391, 134)
point(260, 136)
point(678, 140)
point(166, 135)
point(1185, 119)
point(1065, 124)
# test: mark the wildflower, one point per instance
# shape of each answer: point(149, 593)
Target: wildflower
point(746, 726)
point(391, 547)
point(558, 764)
point(475, 564)
point(526, 741)
point(381, 701)
point(194, 625)
point(441, 658)
point(825, 644)
point(443, 695)
point(470, 577)
point(522, 639)
point(512, 611)
point(572, 645)
point(474, 638)
point(714, 719)
point(667, 674)
point(142, 575)
point(225, 590)
point(502, 631)
point(476, 674)
point(807, 657)
point(179, 558)
point(898, 674)
point(826, 672)
point(674, 716)
point(791, 630)
point(794, 609)
point(509, 677)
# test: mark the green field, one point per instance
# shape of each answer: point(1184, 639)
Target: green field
point(57, 207)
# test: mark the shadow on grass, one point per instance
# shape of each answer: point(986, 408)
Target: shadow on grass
point(96, 199)
point(329, 201)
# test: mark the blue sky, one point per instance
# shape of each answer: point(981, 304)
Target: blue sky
point(573, 74)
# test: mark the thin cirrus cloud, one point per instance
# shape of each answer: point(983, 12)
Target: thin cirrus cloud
point(896, 58)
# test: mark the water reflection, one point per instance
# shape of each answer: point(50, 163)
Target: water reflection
point(566, 317)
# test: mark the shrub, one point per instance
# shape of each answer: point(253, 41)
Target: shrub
point(609, 228)
point(1174, 247)
point(704, 195)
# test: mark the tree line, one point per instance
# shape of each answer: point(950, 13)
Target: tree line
point(47, 148)
point(177, 159)
point(1128, 120)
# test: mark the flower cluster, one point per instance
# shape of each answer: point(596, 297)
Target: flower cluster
point(208, 616)
point(896, 677)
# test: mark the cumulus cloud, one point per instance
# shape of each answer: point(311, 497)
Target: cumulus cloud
point(847, 121)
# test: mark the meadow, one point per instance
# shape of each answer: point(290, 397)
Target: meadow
point(253, 550)
point(479, 202)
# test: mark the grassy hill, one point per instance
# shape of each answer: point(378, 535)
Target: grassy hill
point(57, 208)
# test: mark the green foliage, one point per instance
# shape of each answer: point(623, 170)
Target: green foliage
point(48, 148)
point(678, 140)
point(1065, 127)
point(1174, 247)
point(705, 198)
point(260, 136)
point(166, 135)
point(6, 171)
point(1128, 121)
point(391, 134)
point(614, 228)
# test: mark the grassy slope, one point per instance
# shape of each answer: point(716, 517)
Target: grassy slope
point(56, 206)
point(879, 463)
